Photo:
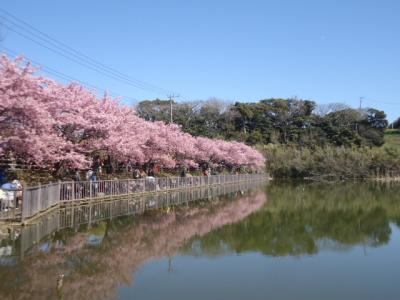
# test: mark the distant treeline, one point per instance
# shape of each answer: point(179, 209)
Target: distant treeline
point(276, 121)
point(300, 138)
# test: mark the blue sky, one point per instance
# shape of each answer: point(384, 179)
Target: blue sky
point(326, 51)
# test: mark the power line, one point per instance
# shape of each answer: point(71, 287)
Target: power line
point(382, 102)
point(67, 78)
point(74, 60)
point(74, 55)
point(70, 53)
point(64, 76)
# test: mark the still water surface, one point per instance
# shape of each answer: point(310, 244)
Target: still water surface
point(280, 241)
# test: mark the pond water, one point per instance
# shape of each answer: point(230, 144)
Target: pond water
point(276, 241)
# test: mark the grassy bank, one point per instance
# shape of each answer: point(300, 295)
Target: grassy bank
point(392, 138)
point(332, 163)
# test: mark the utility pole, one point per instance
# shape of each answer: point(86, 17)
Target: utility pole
point(361, 100)
point(171, 97)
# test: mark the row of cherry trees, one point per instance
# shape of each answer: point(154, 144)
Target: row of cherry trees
point(45, 123)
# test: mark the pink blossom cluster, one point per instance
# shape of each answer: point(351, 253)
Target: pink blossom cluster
point(44, 123)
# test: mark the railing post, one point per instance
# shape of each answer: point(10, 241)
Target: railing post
point(72, 216)
point(39, 196)
point(59, 191)
point(23, 203)
point(90, 214)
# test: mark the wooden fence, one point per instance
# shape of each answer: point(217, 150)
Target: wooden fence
point(42, 197)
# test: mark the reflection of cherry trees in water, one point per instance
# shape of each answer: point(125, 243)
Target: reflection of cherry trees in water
point(96, 272)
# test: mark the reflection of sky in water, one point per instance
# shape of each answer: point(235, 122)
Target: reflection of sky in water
point(6, 256)
point(94, 240)
point(45, 247)
point(222, 249)
point(5, 250)
point(8, 261)
point(357, 273)
point(327, 244)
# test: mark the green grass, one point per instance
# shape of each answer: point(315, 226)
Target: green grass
point(392, 138)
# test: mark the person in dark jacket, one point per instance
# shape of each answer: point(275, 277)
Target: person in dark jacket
point(183, 172)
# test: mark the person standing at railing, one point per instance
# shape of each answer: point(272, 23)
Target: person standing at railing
point(89, 174)
point(143, 173)
point(96, 167)
point(183, 172)
point(95, 185)
point(9, 194)
point(78, 185)
point(18, 192)
point(151, 173)
point(77, 176)
point(3, 199)
point(94, 176)
point(135, 173)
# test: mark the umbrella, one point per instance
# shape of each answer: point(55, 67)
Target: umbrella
point(8, 186)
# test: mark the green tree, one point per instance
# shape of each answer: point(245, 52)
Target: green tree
point(154, 110)
point(396, 123)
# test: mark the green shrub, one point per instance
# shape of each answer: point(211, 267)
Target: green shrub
point(331, 163)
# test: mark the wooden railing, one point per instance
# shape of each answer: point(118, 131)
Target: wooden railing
point(92, 212)
point(42, 197)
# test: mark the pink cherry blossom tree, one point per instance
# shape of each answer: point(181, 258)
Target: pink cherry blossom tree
point(48, 124)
